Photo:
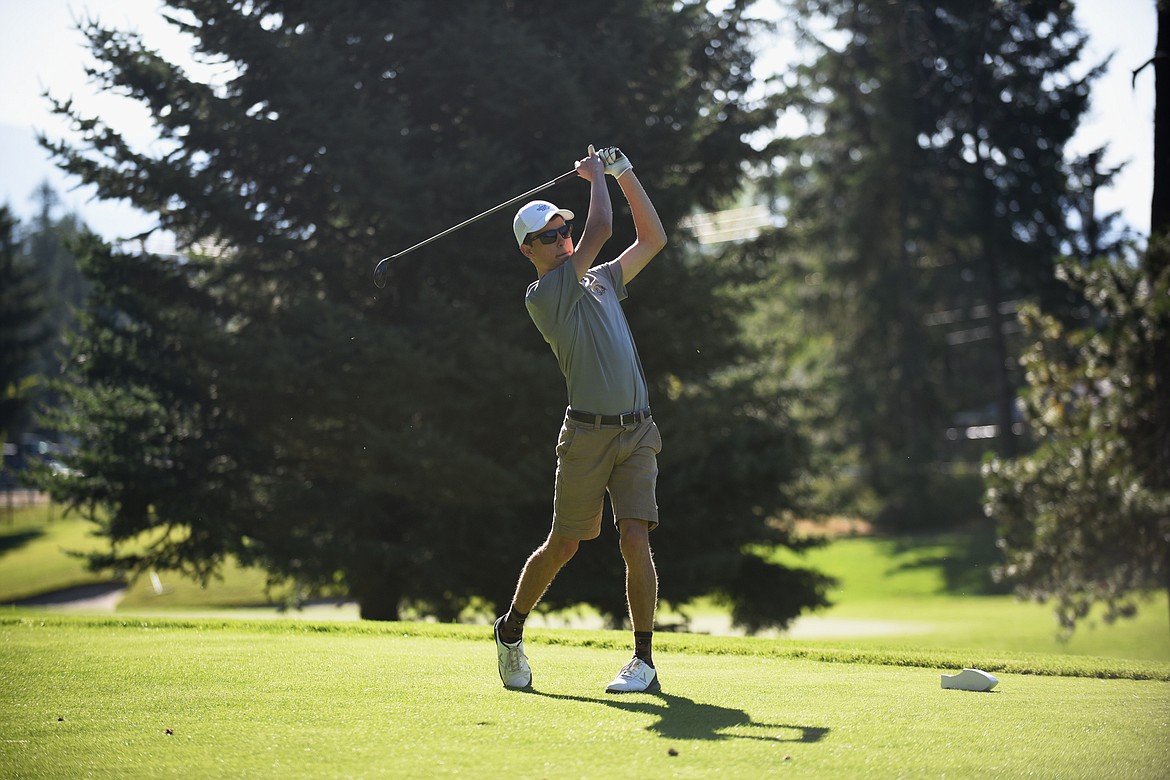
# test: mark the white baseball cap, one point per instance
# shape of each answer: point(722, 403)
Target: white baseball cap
point(534, 215)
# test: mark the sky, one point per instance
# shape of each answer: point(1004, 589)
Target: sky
point(41, 50)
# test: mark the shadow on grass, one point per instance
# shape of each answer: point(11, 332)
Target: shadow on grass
point(85, 596)
point(965, 560)
point(685, 719)
point(11, 542)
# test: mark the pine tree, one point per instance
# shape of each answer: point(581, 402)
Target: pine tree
point(396, 444)
point(929, 193)
point(48, 244)
point(1085, 518)
point(23, 323)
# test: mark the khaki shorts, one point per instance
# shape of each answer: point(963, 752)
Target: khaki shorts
point(622, 460)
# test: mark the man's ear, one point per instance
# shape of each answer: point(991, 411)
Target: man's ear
point(526, 250)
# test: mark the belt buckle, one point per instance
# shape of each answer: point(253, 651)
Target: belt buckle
point(633, 418)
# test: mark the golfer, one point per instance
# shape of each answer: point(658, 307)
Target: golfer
point(608, 441)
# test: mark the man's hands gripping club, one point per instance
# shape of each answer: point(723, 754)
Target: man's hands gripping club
point(615, 162)
point(651, 237)
point(591, 167)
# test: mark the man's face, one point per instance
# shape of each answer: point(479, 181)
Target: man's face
point(551, 255)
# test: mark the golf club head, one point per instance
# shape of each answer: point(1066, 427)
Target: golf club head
point(381, 271)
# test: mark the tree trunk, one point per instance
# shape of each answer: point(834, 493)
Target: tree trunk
point(913, 368)
point(1005, 394)
point(378, 596)
point(378, 608)
point(1157, 261)
point(1160, 203)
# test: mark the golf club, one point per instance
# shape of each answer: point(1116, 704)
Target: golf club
point(383, 266)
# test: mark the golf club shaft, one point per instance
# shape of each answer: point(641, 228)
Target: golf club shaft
point(492, 210)
point(380, 270)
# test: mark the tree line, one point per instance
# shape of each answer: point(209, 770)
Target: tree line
point(258, 398)
point(41, 288)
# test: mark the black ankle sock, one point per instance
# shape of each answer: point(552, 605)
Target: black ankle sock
point(512, 629)
point(643, 644)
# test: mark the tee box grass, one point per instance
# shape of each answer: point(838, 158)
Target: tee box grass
point(119, 697)
point(144, 693)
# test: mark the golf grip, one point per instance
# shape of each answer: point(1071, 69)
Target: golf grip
point(380, 270)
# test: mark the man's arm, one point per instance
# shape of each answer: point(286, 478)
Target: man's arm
point(650, 235)
point(599, 222)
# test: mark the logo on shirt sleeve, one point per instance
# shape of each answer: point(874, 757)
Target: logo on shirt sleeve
point(593, 285)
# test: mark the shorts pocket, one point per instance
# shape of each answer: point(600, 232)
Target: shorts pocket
point(653, 438)
point(565, 441)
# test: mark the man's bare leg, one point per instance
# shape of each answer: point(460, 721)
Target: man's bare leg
point(538, 573)
point(641, 584)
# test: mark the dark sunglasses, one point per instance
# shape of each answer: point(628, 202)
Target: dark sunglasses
point(550, 236)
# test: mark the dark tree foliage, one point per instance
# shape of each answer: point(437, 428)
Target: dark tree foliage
point(927, 200)
point(24, 327)
point(1007, 100)
point(49, 242)
point(259, 398)
point(1085, 518)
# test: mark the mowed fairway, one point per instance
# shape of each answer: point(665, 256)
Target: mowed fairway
point(129, 697)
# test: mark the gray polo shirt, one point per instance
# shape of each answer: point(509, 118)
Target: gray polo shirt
point(584, 324)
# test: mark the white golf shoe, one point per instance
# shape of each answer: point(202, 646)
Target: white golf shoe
point(514, 669)
point(970, 680)
point(635, 677)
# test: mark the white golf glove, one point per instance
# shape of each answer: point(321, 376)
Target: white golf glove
point(616, 163)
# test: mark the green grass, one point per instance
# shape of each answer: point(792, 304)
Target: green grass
point(925, 592)
point(235, 587)
point(878, 568)
point(97, 697)
point(937, 591)
point(34, 552)
point(35, 558)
